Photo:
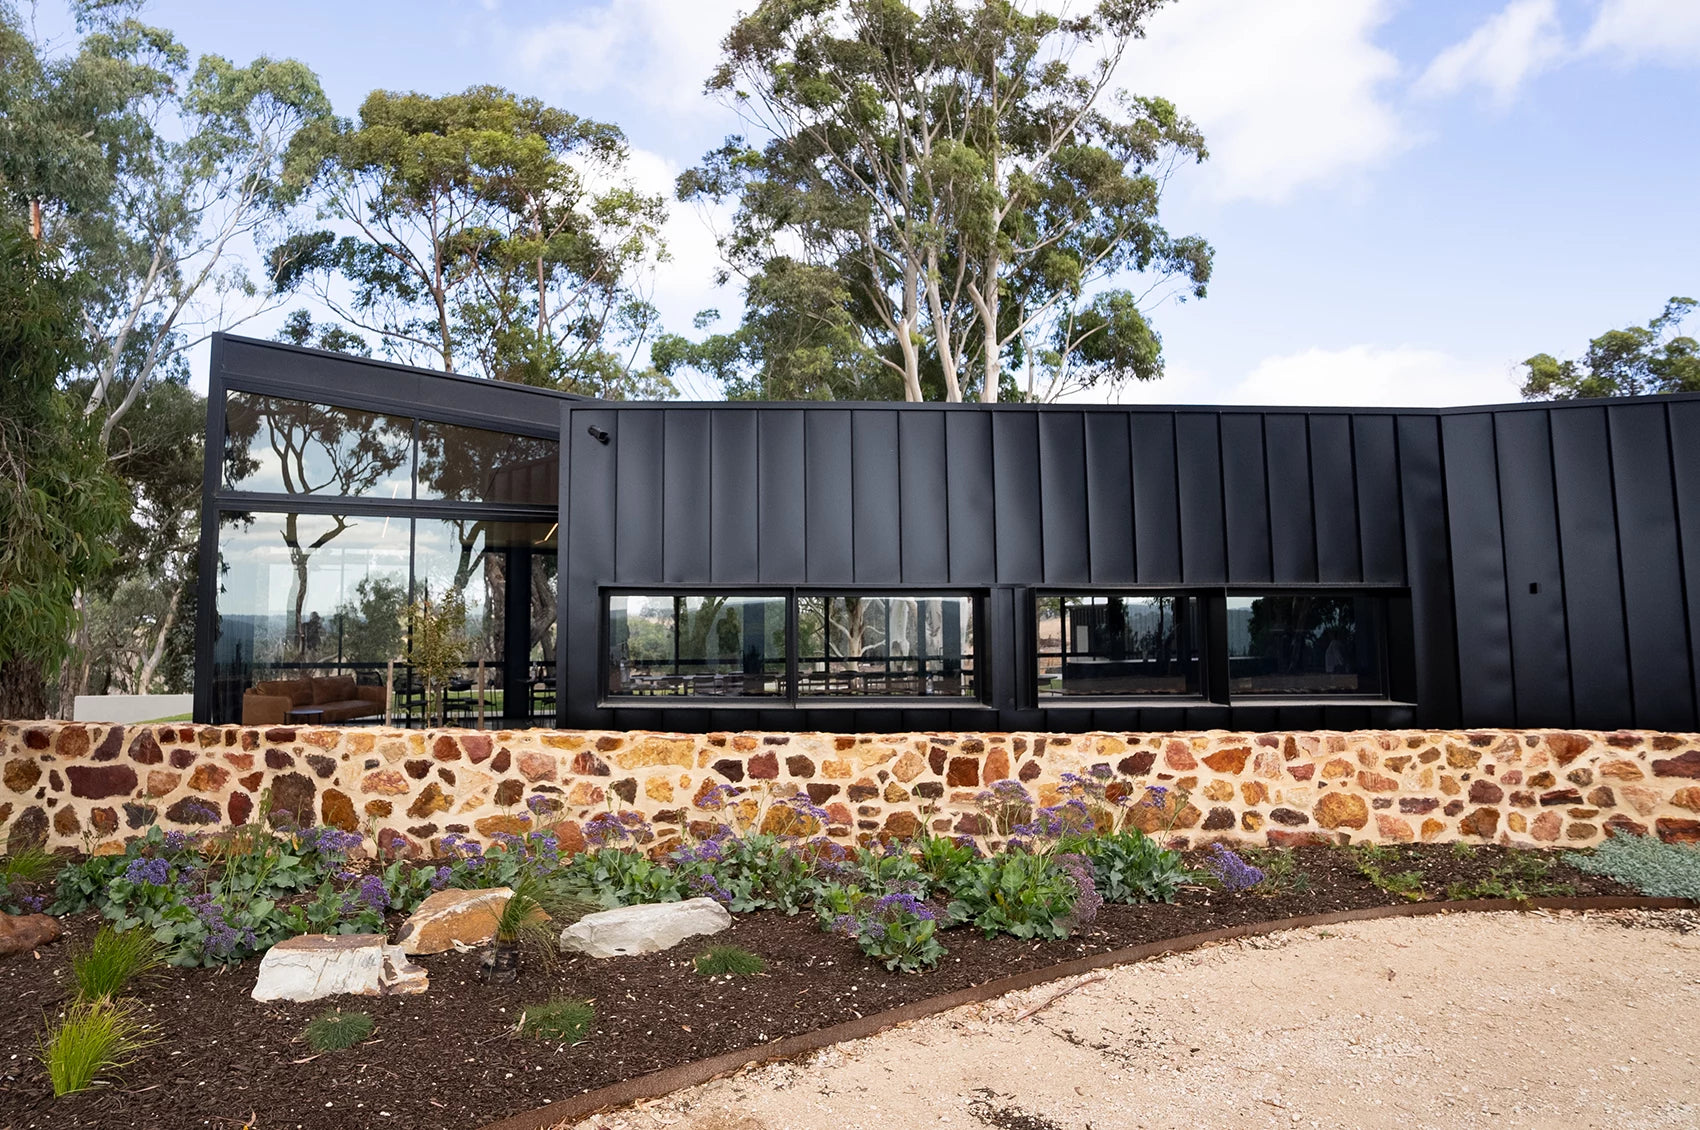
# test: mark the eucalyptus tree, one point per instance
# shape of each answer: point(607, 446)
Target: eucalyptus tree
point(971, 173)
point(1657, 357)
point(482, 232)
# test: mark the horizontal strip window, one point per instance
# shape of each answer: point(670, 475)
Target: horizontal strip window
point(278, 446)
point(885, 645)
point(1307, 644)
point(1120, 645)
point(697, 645)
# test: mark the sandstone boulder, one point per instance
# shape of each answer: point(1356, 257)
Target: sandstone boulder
point(21, 933)
point(647, 928)
point(447, 917)
point(324, 965)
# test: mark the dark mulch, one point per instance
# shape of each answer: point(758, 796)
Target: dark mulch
point(450, 1059)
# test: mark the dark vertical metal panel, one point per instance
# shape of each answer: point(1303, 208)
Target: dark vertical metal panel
point(1375, 450)
point(780, 473)
point(734, 496)
point(1539, 651)
point(1478, 571)
point(874, 498)
point(1334, 489)
point(1062, 494)
point(639, 457)
point(1651, 557)
point(1684, 420)
point(969, 495)
point(1198, 472)
point(1156, 498)
point(1245, 498)
point(687, 513)
point(924, 517)
point(830, 532)
point(590, 511)
point(1109, 499)
point(1423, 499)
point(1016, 498)
point(1292, 526)
point(1593, 585)
point(206, 592)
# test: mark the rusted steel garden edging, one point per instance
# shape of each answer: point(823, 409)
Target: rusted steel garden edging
point(659, 1083)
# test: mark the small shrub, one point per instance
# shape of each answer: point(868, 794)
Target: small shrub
point(113, 960)
point(93, 1038)
point(335, 1030)
point(1027, 896)
point(561, 1020)
point(1130, 867)
point(1650, 865)
point(1368, 858)
point(1231, 872)
point(897, 930)
point(728, 961)
point(1462, 850)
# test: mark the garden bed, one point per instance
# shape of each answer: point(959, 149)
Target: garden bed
point(450, 1058)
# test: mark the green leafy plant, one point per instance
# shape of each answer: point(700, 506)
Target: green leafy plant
point(1646, 863)
point(1462, 850)
point(1369, 860)
point(437, 644)
point(897, 930)
point(1281, 873)
point(728, 961)
point(1131, 867)
point(611, 877)
point(561, 1020)
point(1027, 896)
point(1524, 875)
point(112, 961)
point(94, 1038)
point(335, 1030)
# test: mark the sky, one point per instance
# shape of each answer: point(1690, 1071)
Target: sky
point(1406, 197)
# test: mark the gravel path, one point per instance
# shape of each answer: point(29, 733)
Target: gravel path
point(1501, 1020)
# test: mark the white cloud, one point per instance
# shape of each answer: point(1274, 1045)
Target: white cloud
point(1666, 31)
point(1357, 375)
point(1503, 53)
point(1289, 93)
point(657, 52)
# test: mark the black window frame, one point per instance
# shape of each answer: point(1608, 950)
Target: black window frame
point(793, 699)
point(1386, 672)
point(1202, 631)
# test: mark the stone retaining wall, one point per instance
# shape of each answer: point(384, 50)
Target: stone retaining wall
point(89, 787)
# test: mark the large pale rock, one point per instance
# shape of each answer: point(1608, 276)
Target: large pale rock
point(447, 917)
point(326, 965)
point(647, 928)
point(21, 933)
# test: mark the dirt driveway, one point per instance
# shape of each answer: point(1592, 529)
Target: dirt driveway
point(1501, 1020)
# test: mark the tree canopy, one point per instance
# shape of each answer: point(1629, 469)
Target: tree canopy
point(971, 178)
point(490, 234)
point(1656, 357)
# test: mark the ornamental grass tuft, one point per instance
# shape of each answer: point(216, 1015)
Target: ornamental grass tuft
point(729, 961)
point(335, 1030)
point(113, 960)
point(93, 1039)
point(561, 1020)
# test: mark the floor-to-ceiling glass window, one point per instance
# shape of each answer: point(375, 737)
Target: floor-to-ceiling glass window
point(317, 599)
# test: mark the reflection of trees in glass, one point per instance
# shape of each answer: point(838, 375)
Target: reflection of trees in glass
point(371, 622)
point(695, 630)
point(316, 449)
point(472, 465)
point(1304, 633)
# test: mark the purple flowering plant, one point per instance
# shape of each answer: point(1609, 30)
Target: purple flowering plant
point(1230, 870)
point(898, 930)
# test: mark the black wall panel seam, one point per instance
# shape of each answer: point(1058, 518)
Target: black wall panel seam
point(1682, 562)
point(1563, 581)
point(1505, 570)
point(1622, 583)
point(1180, 523)
point(1132, 494)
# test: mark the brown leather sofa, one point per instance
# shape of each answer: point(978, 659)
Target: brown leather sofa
point(338, 699)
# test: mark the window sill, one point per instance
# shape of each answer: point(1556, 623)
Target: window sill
point(733, 702)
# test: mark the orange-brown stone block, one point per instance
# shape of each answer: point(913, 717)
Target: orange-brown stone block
point(1230, 759)
point(387, 782)
point(1342, 810)
point(1393, 829)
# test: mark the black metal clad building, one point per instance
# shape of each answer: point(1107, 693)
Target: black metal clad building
point(1525, 565)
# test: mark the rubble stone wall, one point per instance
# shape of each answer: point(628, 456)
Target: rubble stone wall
point(89, 787)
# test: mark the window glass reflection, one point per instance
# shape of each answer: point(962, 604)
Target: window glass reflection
point(885, 645)
point(1292, 643)
point(473, 465)
point(283, 446)
point(1134, 644)
point(704, 645)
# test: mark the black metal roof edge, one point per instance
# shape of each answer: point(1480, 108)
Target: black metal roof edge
point(1002, 406)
